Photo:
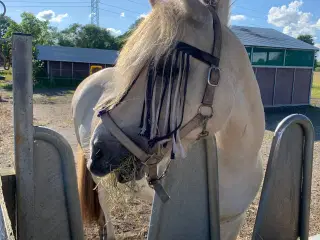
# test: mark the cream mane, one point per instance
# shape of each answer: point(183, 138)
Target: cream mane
point(152, 39)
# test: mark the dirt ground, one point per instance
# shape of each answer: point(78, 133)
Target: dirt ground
point(129, 215)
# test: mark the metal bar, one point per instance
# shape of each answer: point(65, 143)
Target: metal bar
point(307, 177)
point(48, 69)
point(23, 133)
point(69, 186)
point(274, 86)
point(281, 48)
point(285, 105)
point(72, 70)
point(284, 58)
point(311, 78)
point(251, 57)
point(213, 187)
point(266, 66)
point(293, 82)
point(60, 68)
point(309, 134)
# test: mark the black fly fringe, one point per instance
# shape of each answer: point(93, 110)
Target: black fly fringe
point(164, 103)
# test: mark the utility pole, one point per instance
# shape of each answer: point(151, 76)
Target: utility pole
point(95, 12)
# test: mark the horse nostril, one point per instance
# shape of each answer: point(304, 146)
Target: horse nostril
point(99, 154)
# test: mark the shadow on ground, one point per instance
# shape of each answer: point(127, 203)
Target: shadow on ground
point(275, 115)
point(49, 92)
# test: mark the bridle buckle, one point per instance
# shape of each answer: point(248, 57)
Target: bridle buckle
point(216, 76)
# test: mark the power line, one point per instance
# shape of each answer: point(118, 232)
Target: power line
point(119, 8)
point(117, 13)
point(136, 2)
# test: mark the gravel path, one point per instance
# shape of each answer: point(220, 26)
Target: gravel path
point(54, 112)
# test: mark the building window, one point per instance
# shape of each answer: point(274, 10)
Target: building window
point(267, 56)
point(259, 58)
point(249, 51)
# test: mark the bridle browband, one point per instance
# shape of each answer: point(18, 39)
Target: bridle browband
point(205, 111)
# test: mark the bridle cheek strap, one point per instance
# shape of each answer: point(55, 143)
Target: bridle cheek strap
point(150, 161)
point(205, 111)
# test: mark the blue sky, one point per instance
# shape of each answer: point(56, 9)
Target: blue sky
point(292, 17)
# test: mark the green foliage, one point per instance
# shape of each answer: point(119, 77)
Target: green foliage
point(67, 37)
point(4, 25)
point(87, 36)
point(6, 86)
point(122, 39)
point(306, 38)
point(42, 34)
point(76, 35)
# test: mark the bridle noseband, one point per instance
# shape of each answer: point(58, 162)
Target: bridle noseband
point(205, 111)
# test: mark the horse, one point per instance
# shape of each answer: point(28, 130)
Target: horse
point(152, 92)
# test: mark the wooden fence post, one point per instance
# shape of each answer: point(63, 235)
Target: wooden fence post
point(23, 133)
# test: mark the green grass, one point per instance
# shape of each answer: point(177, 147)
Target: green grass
point(6, 86)
point(7, 74)
point(315, 91)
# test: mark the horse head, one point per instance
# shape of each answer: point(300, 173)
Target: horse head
point(159, 85)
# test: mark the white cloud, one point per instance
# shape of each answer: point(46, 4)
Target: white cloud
point(115, 32)
point(51, 16)
point(143, 15)
point(292, 20)
point(122, 14)
point(238, 18)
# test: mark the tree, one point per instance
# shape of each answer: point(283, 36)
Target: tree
point(122, 39)
point(87, 36)
point(67, 37)
point(42, 34)
point(4, 24)
point(92, 36)
point(307, 38)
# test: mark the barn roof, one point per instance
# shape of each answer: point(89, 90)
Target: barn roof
point(249, 36)
point(73, 54)
point(268, 37)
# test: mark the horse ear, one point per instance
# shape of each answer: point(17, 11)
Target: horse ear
point(152, 2)
point(197, 9)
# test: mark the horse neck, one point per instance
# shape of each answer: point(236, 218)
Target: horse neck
point(223, 11)
point(242, 135)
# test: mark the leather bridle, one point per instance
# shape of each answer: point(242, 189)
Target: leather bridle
point(205, 111)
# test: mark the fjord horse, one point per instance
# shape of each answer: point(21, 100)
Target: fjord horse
point(237, 121)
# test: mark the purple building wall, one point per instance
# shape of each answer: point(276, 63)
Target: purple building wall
point(284, 86)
